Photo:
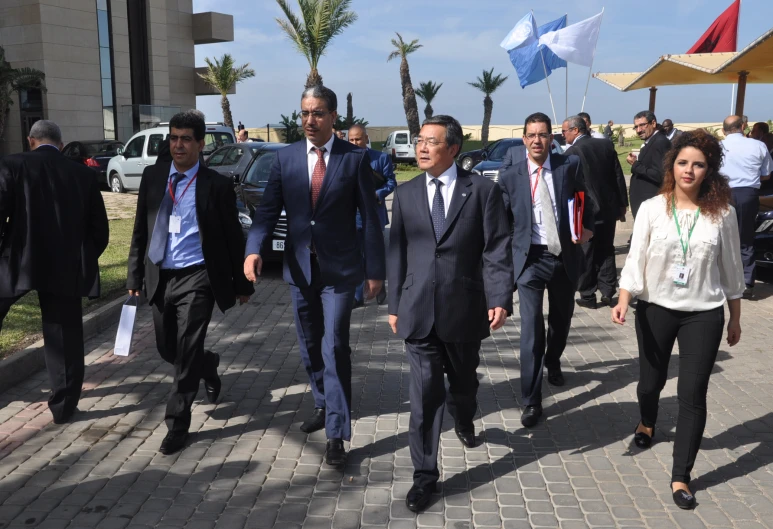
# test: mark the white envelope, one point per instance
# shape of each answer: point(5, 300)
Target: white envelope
point(123, 338)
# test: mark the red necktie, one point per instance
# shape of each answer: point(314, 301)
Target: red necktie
point(317, 175)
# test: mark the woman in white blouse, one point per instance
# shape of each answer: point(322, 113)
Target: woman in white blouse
point(684, 263)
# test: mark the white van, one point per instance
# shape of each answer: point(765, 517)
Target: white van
point(398, 145)
point(124, 171)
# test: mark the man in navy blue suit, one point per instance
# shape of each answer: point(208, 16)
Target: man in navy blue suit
point(383, 172)
point(321, 182)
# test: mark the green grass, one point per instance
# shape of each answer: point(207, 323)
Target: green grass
point(622, 152)
point(22, 325)
point(404, 176)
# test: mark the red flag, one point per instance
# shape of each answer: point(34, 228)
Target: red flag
point(722, 35)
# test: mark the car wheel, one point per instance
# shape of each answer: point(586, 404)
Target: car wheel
point(115, 184)
point(467, 163)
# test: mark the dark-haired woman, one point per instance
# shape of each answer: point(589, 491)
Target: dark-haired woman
point(684, 263)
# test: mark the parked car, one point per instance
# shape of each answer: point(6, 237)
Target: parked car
point(398, 145)
point(93, 153)
point(124, 171)
point(469, 159)
point(763, 238)
point(490, 167)
point(232, 160)
point(250, 187)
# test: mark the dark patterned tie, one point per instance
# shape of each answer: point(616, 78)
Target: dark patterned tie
point(438, 210)
point(318, 175)
point(157, 247)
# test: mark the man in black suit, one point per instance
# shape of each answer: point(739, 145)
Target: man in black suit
point(537, 191)
point(186, 251)
point(605, 184)
point(322, 182)
point(647, 167)
point(449, 285)
point(53, 228)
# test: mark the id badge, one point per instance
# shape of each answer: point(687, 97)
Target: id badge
point(681, 275)
point(174, 223)
point(537, 216)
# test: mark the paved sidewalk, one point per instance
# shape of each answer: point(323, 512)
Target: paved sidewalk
point(248, 465)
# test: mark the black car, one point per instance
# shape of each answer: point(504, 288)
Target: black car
point(232, 160)
point(491, 166)
point(469, 159)
point(94, 154)
point(249, 192)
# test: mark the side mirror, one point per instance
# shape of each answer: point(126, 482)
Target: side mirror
point(236, 178)
point(484, 155)
point(119, 151)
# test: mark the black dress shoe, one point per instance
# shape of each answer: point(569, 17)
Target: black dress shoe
point(683, 499)
point(555, 377)
point(587, 303)
point(606, 301)
point(65, 417)
point(381, 296)
point(641, 439)
point(315, 422)
point(466, 436)
point(335, 455)
point(358, 303)
point(173, 442)
point(748, 293)
point(418, 498)
point(531, 415)
point(212, 382)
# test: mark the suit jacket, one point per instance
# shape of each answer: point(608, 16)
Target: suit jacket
point(452, 283)
point(513, 155)
point(604, 179)
point(330, 228)
point(647, 171)
point(381, 163)
point(53, 225)
point(567, 180)
point(222, 242)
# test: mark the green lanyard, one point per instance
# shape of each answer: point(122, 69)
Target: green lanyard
point(685, 245)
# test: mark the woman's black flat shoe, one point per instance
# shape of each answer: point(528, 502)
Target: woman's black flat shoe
point(683, 499)
point(641, 439)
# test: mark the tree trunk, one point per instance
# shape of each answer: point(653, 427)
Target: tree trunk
point(428, 111)
point(488, 106)
point(227, 117)
point(3, 118)
point(349, 111)
point(314, 79)
point(409, 99)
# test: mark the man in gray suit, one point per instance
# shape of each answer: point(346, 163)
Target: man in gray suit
point(450, 284)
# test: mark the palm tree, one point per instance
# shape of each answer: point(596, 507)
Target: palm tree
point(320, 22)
point(427, 91)
point(409, 96)
point(488, 85)
point(14, 80)
point(222, 76)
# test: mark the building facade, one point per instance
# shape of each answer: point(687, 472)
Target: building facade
point(112, 66)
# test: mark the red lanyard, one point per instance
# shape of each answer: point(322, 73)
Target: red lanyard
point(536, 181)
point(171, 191)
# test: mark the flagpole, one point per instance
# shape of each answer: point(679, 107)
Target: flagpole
point(567, 78)
point(590, 69)
point(545, 69)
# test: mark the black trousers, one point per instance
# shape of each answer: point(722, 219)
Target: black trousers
point(600, 270)
point(747, 204)
point(63, 348)
point(182, 309)
point(699, 335)
point(429, 358)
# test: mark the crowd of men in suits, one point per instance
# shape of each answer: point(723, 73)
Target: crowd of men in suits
point(459, 246)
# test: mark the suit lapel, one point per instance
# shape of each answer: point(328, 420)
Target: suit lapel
point(422, 204)
point(203, 183)
point(462, 191)
point(331, 171)
point(558, 170)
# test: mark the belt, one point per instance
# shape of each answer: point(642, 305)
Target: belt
point(183, 271)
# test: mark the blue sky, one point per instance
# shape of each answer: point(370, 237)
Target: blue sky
point(460, 39)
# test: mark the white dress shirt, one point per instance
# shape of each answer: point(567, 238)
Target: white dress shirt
point(538, 233)
point(446, 190)
point(597, 134)
point(745, 160)
point(713, 256)
point(575, 140)
point(311, 156)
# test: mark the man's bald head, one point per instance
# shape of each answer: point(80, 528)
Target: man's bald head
point(732, 124)
point(358, 136)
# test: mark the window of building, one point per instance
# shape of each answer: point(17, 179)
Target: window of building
point(106, 68)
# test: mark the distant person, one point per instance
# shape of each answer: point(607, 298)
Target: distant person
point(591, 132)
point(746, 163)
point(684, 265)
point(240, 126)
point(53, 229)
point(669, 130)
point(381, 163)
point(761, 132)
point(608, 129)
point(241, 136)
point(647, 167)
point(745, 126)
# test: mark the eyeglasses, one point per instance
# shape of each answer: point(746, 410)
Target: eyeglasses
point(541, 135)
point(640, 125)
point(564, 131)
point(431, 142)
point(317, 114)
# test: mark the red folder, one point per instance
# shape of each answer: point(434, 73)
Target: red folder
point(577, 207)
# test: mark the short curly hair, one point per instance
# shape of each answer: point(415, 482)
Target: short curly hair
point(714, 195)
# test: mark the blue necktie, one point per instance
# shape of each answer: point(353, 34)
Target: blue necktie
point(158, 240)
point(438, 210)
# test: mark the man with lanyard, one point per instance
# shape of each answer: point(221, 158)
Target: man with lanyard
point(186, 249)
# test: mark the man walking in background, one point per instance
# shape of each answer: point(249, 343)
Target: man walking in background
point(53, 228)
point(669, 130)
point(647, 167)
point(608, 129)
point(746, 162)
point(591, 132)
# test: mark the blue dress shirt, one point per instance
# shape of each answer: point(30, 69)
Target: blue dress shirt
point(184, 248)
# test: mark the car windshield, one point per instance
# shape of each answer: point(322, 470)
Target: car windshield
point(215, 140)
point(401, 139)
point(261, 169)
point(498, 154)
point(93, 149)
